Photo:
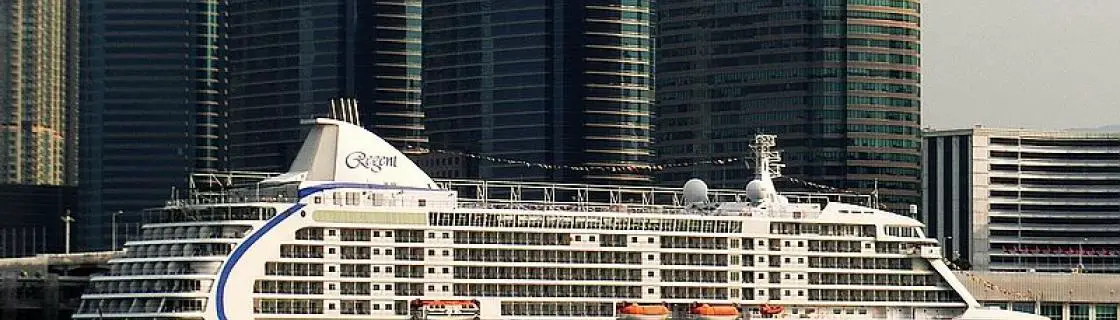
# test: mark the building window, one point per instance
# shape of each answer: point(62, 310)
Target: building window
point(1052, 311)
point(1078, 312)
point(1025, 307)
point(1106, 312)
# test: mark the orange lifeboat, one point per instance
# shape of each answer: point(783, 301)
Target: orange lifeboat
point(704, 311)
point(769, 310)
point(634, 311)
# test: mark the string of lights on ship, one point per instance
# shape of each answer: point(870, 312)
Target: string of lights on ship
point(635, 168)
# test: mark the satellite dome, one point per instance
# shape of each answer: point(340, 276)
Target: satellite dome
point(695, 190)
point(758, 190)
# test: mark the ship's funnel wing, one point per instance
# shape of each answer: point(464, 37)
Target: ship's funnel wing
point(337, 151)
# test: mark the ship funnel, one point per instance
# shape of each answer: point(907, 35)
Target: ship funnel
point(337, 151)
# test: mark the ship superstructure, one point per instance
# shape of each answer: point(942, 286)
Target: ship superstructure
point(357, 231)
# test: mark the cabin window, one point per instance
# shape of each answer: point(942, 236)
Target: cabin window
point(331, 232)
point(330, 306)
point(648, 240)
point(330, 269)
point(591, 238)
point(650, 290)
point(388, 307)
point(422, 202)
point(330, 250)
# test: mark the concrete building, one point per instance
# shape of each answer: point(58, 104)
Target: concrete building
point(47, 287)
point(1018, 200)
point(555, 82)
point(153, 99)
point(38, 91)
point(837, 81)
point(288, 59)
point(1059, 296)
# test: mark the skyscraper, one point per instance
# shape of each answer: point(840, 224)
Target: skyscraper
point(836, 80)
point(38, 87)
point(552, 82)
point(152, 103)
point(288, 60)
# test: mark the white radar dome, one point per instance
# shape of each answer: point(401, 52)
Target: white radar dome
point(758, 190)
point(695, 190)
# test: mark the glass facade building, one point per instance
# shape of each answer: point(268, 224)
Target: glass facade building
point(836, 80)
point(553, 82)
point(152, 97)
point(289, 59)
point(38, 91)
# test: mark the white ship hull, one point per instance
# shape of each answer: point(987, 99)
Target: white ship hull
point(356, 231)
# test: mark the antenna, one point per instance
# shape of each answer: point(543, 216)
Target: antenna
point(766, 159)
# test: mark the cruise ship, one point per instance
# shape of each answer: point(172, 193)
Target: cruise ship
point(355, 230)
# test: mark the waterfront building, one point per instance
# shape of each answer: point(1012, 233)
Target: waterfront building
point(1020, 200)
point(152, 103)
point(38, 92)
point(838, 81)
point(1057, 296)
point(553, 82)
point(289, 59)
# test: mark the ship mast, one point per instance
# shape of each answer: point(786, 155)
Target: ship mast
point(766, 158)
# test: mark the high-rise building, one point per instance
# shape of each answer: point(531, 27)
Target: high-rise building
point(153, 97)
point(836, 80)
point(288, 60)
point(553, 82)
point(38, 88)
point(1019, 200)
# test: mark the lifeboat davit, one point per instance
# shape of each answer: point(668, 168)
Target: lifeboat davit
point(769, 310)
point(634, 311)
point(704, 311)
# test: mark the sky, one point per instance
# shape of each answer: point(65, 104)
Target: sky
point(1038, 64)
